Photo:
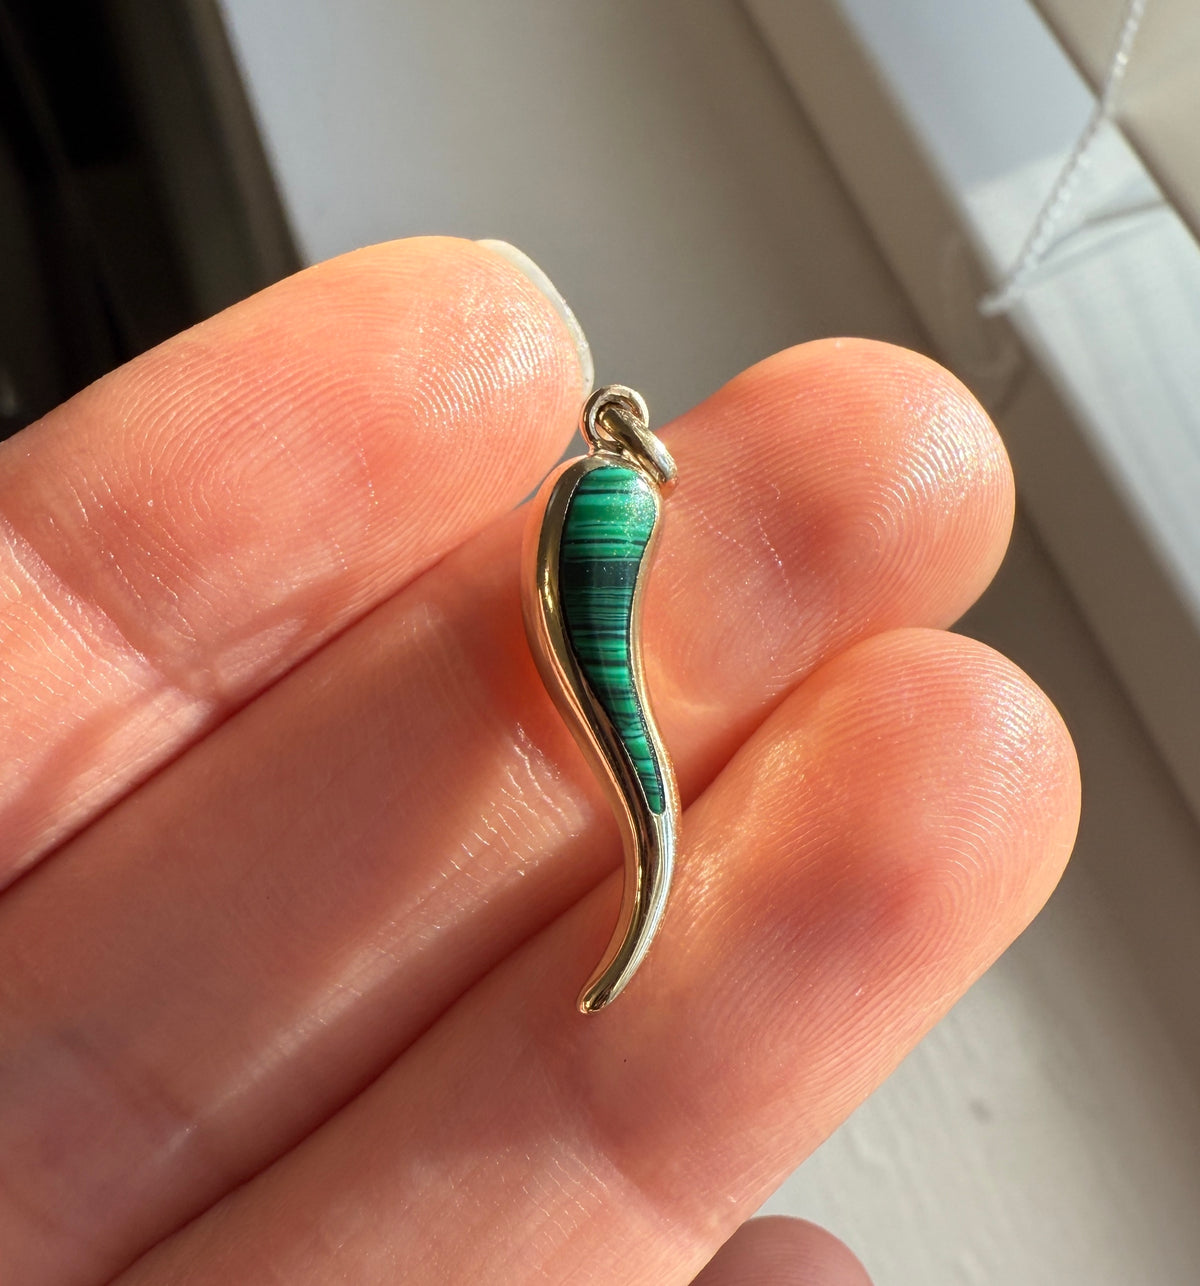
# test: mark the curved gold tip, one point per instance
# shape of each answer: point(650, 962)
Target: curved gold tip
point(649, 863)
point(594, 998)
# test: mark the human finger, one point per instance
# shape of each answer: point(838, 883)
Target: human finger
point(870, 850)
point(268, 923)
point(192, 525)
point(778, 1251)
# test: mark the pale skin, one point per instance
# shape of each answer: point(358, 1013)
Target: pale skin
point(302, 872)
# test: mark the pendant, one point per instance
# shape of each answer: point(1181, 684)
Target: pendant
point(588, 546)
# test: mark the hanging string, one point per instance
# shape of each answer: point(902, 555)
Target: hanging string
point(1041, 239)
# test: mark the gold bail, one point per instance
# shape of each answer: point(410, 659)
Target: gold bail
point(616, 419)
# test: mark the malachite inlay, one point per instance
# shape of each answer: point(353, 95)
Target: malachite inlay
point(608, 523)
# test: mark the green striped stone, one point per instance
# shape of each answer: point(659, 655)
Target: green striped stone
point(608, 523)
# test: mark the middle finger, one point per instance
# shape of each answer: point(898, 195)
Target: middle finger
point(213, 968)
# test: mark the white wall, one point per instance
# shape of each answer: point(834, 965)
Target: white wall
point(646, 155)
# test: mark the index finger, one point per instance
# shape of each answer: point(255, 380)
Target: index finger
point(185, 530)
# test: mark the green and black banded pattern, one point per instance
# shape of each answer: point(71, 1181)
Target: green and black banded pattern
point(607, 526)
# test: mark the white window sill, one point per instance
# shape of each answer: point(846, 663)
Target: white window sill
point(968, 111)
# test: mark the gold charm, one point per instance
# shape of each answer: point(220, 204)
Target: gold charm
point(588, 547)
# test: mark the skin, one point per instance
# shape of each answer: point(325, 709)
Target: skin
point(303, 871)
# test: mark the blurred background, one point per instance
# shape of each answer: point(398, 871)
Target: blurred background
point(708, 181)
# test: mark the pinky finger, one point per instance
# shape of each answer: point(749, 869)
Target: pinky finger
point(777, 1251)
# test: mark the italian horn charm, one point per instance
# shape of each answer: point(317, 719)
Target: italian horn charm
point(588, 547)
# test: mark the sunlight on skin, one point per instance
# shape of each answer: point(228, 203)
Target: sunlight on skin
point(196, 523)
point(291, 908)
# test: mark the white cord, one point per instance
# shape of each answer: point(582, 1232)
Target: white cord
point(1041, 238)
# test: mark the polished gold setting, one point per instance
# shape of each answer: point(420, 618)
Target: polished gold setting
point(615, 424)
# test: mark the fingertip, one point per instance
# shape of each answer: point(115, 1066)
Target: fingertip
point(776, 1250)
point(480, 332)
point(955, 463)
point(914, 803)
point(208, 514)
point(976, 772)
point(1032, 753)
point(869, 468)
point(557, 301)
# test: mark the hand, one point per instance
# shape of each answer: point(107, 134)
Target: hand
point(304, 871)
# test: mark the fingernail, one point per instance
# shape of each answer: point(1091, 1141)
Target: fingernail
point(520, 260)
